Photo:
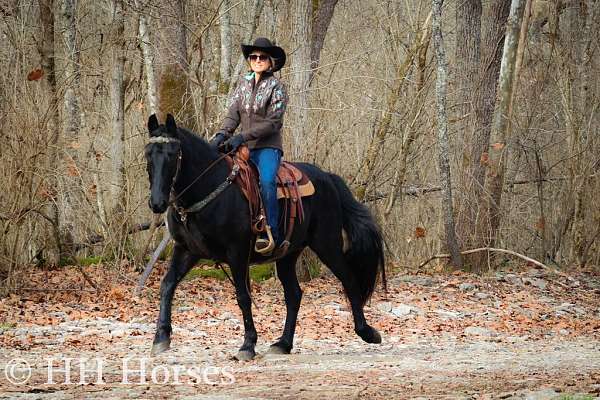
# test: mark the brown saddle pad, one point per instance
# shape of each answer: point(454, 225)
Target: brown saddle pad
point(287, 175)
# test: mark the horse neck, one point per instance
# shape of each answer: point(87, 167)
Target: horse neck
point(196, 161)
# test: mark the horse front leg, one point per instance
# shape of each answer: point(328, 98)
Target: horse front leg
point(181, 262)
point(240, 272)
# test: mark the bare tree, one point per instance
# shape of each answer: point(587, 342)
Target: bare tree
point(71, 184)
point(300, 64)
point(46, 50)
point(442, 127)
point(148, 60)
point(320, 26)
point(297, 113)
point(368, 163)
point(472, 227)
point(467, 53)
point(174, 94)
point(500, 135)
point(225, 30)
point(255, 13)
point(117, 94)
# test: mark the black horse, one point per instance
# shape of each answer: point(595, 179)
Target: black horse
point(221, 231)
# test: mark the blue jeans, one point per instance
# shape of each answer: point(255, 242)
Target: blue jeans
point(267, 160)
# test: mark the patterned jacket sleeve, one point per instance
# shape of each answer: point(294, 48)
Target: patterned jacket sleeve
point(232, 119)
point(273, 120)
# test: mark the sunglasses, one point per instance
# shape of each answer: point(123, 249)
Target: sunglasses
point(256, 57)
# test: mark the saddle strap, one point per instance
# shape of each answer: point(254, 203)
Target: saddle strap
point(293, 204)
point(248, 184)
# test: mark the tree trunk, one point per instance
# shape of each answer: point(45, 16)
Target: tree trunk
point(467, 53)
point(225, 29)
point(71, 184)
point(320, 27)
point(484, 100)
point(174, 94)
point(442, 128)
point(297, 112)
point(498, 149)
point(117, 94)
point(257, 7)
point(467, 59)
point(148, 61)
point(46, 50)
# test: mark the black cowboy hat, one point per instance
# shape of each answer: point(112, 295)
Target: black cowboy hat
point(264, 44)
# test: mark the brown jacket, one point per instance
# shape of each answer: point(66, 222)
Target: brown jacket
point(259, 108)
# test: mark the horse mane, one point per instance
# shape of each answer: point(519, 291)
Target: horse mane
point(195, 147)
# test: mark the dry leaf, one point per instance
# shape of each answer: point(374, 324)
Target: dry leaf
point(35, 75)
point(498, 146)
point(420, 232)
point(93, 191)
point(485, 158)
point(540, 224)
point(72, 170)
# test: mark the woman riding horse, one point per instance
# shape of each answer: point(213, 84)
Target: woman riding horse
point(258, 104)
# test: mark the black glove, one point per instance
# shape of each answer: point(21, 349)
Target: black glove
point(232, 143)
point(218, 140)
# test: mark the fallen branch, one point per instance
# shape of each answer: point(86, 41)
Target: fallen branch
point(419, 190)
point(514, 253)
point(86, 277)
point(153, 259)
point(31, 289)
point(135, 228)
point(153, 225)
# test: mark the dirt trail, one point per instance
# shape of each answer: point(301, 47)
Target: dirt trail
point(508, 336)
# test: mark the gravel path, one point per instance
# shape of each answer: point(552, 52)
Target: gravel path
point(483, 367)
point(511, 336)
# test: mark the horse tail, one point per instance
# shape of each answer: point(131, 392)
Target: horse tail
point(365, 253)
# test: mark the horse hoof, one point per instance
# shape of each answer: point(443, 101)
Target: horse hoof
point(158, 348)
point(376, 338)
point(370, 335)
point(245, 355)
point(278, 349)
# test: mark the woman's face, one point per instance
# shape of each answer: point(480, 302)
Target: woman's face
point(259, 61)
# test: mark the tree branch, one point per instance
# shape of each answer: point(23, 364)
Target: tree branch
point(488, 249)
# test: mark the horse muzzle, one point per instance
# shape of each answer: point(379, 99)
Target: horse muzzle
point(158, 206)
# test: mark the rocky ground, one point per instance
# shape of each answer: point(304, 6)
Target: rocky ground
point(533, 334)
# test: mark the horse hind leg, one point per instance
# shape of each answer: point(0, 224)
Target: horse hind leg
point(329, 250)
point(286, 272)
point(181, 262)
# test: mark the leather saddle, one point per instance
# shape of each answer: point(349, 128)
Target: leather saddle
point(292, 185)
point(290, 176)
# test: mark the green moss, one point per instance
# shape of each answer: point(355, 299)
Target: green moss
point(261, 272)
point(5, 326)
point(84, 262)
point(167, 252)
point(258, 273)
point(576, 397)
point(205, 273)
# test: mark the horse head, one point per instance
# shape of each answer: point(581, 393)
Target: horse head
point(163, 157)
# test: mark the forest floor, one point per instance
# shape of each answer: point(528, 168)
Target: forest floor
point(533, 334)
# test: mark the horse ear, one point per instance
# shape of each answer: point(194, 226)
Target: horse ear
point(171, 126)
point(152, 123)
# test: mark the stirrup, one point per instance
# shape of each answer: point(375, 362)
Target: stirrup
point(265, 246)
